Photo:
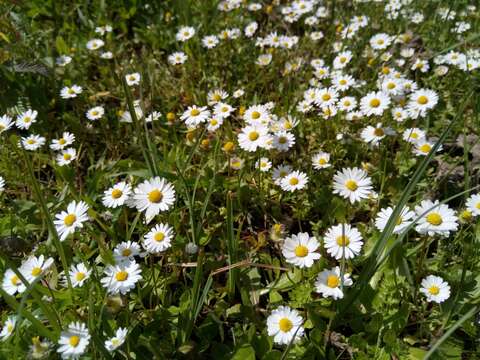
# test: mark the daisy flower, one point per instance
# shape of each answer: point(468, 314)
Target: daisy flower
point(117, 195)
point(422, 100)
point(257, 115)
point(264, 60)
point(473, 204)
point(236, 163)
point(321, 160)
point(8, 327)
point(353, 184)
point(347, 103)
point(223, 110)
point(126, 251)
point(329, 283)
point(373, 135)
point(210, 41)
point(95, 113)
point(6, 123)
point(69, 92)
point(214, 123)
point(343, 241)
point(412, 135)
point(122, 277)
point(67, 139)
point(116, 341)
point(152, 196)
point(280, 172)
point(216, 96)
point(285, 325)
point(342, 59)
point(68, 221)
point(195, 115)
point(253, 137)
point(95, 44)
point(326, 97)
point(185, 33)
point(26, 119)
point(380, 41)
point(66, 156)
point(435, 289)
point(374, 103)
point(34, 267)
point(423, 147)
point(440, 220)
point(106, 55)
point(300, 250)
point(404, 220)
point(132, 79)
point(177, 58)
point(283, 140)
point(158, 239)
point(263, 164)
point(74, 341)
point(11, 283)
point(296, 180)
point(78, 274)
point(32, 142)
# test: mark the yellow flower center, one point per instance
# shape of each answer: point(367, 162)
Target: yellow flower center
point(132, 78)
point(159, 236)
point(36, 271)
point(62, 141)
point(126, 252)
point(343, 240)
point(293, 181)
point(9, 328)
point(399, 220)
point(343, 59)
point(67, 156)
point(378, 132)
point(414, 135)
point(14, 280)
point(69, 219)
point(346, 103)
point(343, 82)
point(434, 290)
point(380, 41)
point(391, 86)
point(30, 141)
point(224, 109)
point(285, 325)
point(116, 193)
point(74, 340)
point(425, 148)
point(27, 119)
point(434, 218)
point(326, 97)
point(351, 185)
point(301, 251)
point(322, 161)
point(194, 112)
point(71, 91)
point(255, 115)
point(155, 196)
point(422, 100)
point(282, 140)
point(253, 136)
point(333, 281)
point(375, 103)
point(477, 205)
point(121, 276)
point(79, 276)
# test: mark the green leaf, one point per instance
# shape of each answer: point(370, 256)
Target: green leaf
point(245, 352)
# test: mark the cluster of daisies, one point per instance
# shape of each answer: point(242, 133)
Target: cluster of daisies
point(332, 93)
